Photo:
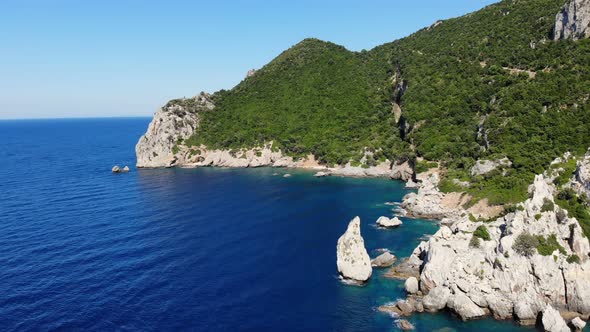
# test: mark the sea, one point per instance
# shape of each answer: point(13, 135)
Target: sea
point(83, 249)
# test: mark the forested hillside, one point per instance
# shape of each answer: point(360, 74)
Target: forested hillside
point(487, 85)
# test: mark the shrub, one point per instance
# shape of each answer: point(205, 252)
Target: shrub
point(538, 216)
point(525, 244)
point(482, 233)
point(472, 218)
point(547, 246)
point(573, 259)
point(547, 205)
point(474, 243)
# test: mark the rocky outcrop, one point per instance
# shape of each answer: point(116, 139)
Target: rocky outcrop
point(171, 124)
point(386, 259)
point(389, 223)
point(402, 171)
point(483, 167)
point(581, 181)
point(573, 21)
point(353, 261)
point(496, 275)
point(552, 321)
point(578, 324)
point(405, 325)
point(117, 169)
point(428, 201)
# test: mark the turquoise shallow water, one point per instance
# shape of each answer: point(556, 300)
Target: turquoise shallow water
point(184, 249)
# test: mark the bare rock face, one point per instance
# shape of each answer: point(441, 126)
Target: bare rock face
point(402, 171)
point(483, 167)
point(171, 124)
point(496, 276)
point(573, 21)
point(581, 180)
point(352, 258)
point(553, 322)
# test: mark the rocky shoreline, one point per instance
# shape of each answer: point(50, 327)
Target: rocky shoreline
point(494, 274)
point(163, 146)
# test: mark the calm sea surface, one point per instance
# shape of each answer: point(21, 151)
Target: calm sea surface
point(82, 249)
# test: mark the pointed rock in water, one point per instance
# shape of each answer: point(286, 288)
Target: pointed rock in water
point(125, 169)
point(553, 322)
point(386, 222)
point(352, 258)
point(384, 260)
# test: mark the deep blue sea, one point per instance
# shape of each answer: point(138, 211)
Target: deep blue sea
point(82, 249)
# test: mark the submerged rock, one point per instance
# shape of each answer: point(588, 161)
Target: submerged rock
point(386, 222)
point(384, 260)
point(405, 325)
point(353, 261)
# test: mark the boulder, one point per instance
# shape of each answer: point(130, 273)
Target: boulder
point(321, 174)
point(353, 261)
point(115, 169)
point(402, 171)
point(464, 307)
point(573, 21)
point(552, 321)
point(386, 222)
point(404, 325)
point(578, 324)
point(125, 169)
point(436, 299)
point(411, 285)
point(287, 175)
point(384, 260)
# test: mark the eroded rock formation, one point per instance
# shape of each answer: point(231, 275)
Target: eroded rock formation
point(353, 261)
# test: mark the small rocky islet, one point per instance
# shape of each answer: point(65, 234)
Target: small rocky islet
point(529, 262)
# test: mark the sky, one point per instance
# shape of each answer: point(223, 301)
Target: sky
point(110, 58)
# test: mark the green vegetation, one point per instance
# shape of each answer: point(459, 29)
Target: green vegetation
point(486, 85)
point(573, 259)
point(547, 205)
point(482, 233)
point(525, 244)
point(423, 166)
point(474, 242)
point(568, 200)
point(547, 246)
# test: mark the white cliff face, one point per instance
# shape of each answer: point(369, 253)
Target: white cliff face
point(581, 180)
point(352, 258)
point(494, 276)
point(483, 167)
point(170, 125)
point(427, 202)
point(573, 21)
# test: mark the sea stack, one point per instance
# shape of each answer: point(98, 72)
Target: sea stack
point(353, 259)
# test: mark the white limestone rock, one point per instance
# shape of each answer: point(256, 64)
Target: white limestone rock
point(553, 322)
point(464, 307)
point(389, 223)
point(353, 261)
point(411, 285)
point(171, 124)
point(436, 299)
point(573, 21)
point(386, 259)
point(402, 171)
point(483, 167)
point(578, 324)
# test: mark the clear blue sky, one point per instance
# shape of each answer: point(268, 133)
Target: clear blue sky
point(125, 58)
